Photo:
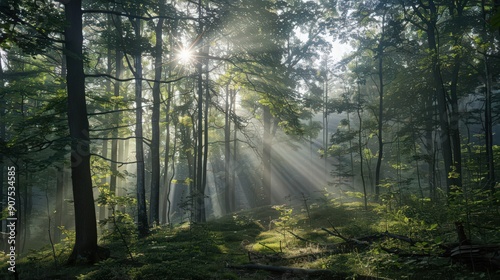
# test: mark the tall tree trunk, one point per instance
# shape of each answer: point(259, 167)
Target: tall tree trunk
point(166, 198)
point(229, 207)
point(360, 147)
point(85, 218)
point(142, 216)
point(232, 193)
point(109, 71)
point(191, 161)
point(116, 118)
point(60, 184)
point(454, 123)
point(154, 209)
point(488, 131)
point(380, 113)
point(441, 99)
point(430, 147)
point(266, 156)
point(203, 185)
point(488, 123)
point(102, 208)
point(197, 195)
point(199, 146)
point(167, 182)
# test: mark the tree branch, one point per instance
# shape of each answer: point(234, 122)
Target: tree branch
point(132, 79)
point(136, 16)
point(113, 161)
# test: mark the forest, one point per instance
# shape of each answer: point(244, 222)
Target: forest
point(257, 139)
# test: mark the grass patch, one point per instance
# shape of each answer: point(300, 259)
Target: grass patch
point(203, 251)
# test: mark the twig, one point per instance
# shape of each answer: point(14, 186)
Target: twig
point(349, 240)
point(264, 245)
point(300, 238)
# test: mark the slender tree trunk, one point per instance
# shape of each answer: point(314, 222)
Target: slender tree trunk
point(116, 119)
point(58, 217)
point(154, 209)
point(166, 198)
point(266, 156)
point(203, 186)
point(142, 217)
point(441, 100)
point(121, 183)
point(488, 122)
point(454, 122)
point(197, 195)
point(488, 131)
point(102, 208)
point(416, 157)
point(85, 218)
point(229, 160)
point(351, 152)
point(430, 148)
point(360, 149)
point(172, 176)
point(227, 156)
point(191, 161)
point(326, 137)
point(199, 146)
point(232, 193)
point(167, 182)
point(60, 183)
point(380, 114)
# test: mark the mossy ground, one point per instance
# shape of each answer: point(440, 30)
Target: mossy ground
point(205, 251)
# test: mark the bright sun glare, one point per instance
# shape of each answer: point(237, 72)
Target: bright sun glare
point(185, 56)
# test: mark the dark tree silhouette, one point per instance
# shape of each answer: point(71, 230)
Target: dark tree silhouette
point(85, 218)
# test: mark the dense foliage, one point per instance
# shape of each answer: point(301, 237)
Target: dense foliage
point(146, 115)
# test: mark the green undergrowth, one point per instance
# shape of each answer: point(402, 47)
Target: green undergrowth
point(280, 236)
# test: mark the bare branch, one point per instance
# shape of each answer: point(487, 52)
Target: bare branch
point(132, 79)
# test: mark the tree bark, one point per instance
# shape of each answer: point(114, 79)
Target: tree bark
point(102, 208)
point(166, 197)
point(266, 156)
point(198, 198)
point(232, 193)
point(116, 119)
point(441, 99)
point(199, 145)
point(360, 147)
point(142, 216)
point(166, 181)
point(85, 218)
point(229, 190)
point(154, 210)
point(488, 125)
point(203, 185)
point(380, 112)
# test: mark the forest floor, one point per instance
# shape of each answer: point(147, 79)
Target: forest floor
point(330, 241)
